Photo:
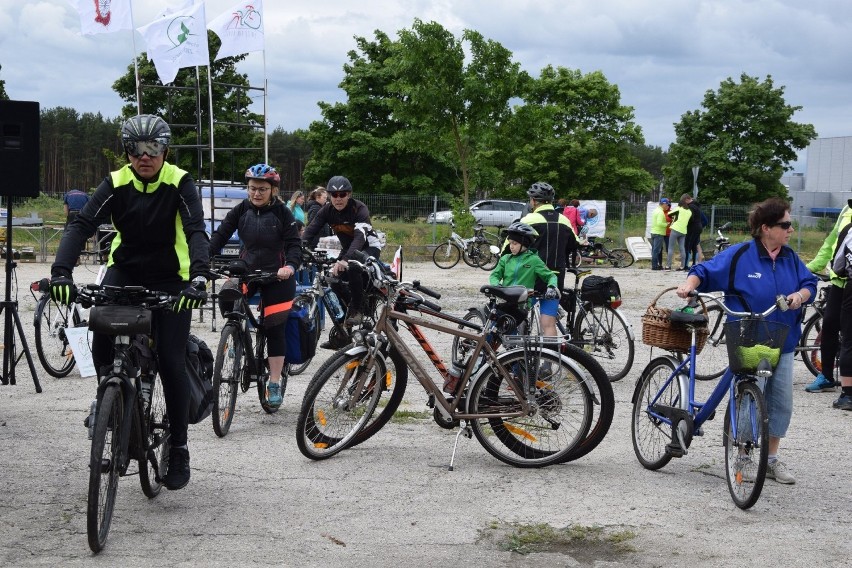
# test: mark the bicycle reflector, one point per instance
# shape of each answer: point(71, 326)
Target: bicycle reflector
point(42, 285)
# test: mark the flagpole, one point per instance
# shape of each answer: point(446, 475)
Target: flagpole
point(135, 64)
point(210, 105)
point(265, 116)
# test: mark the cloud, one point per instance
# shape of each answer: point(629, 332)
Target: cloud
point(663, 54)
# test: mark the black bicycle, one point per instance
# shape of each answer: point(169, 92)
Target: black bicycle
point(596, 253)
point(241, 357)
point(129, 422)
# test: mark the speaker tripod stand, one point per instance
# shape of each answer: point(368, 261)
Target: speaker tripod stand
point(12, 321)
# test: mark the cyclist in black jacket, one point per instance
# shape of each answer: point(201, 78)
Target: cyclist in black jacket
point(160, 243)
point(271, 243)
point(350, 221)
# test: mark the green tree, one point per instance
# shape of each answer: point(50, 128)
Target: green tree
point(573, 132)
point(450, 102)
point(184, 105)
point(288, 153)
point(3, 95)
point(364, 140)
point(742, 142)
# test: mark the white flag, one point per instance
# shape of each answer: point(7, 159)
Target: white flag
point(396, 265)
point(103, 16)
point(240, 29)
point(177, 40)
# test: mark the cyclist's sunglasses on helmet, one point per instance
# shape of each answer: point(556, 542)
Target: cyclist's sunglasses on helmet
point(137, 148)
point(338, 194)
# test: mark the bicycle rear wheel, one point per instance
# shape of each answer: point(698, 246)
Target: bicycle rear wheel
point(747, 453)
point(650, 433)
point(604, 333)
point(104, 467)
point(227, 371)
point(332, 413)
point(560, 424)
point(158, 440)
point(621, 258)
point(446, 255)
point(810, 343)
point(52, 346)
point(712, 362)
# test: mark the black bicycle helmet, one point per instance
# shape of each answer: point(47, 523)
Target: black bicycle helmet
point(541, 191)
point(146, 127)
point(522, 233)
point(264, 172)
point(338, 183)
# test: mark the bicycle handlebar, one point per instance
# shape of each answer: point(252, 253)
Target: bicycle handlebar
point(105, 295)
point(780, 304)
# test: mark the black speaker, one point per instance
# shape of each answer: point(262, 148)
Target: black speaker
point(19, 149)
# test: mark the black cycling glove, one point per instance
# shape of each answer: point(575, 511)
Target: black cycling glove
point(193, 297)
point(62, 290)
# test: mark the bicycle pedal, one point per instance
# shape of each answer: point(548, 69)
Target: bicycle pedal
point(430, 401)
point(675, 451)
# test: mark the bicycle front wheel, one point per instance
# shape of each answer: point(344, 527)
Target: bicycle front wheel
point(52, 346)
point(559, 425)
point(332, 412)
point(392, 389)
point(447, 255)
point(747, 452)
point(708, 248)
point(712, 362)
point(227, 371)
point(104, 467)
point(621, 258)
point(604, 333)
point(651, 434)
point(810, 343)
point(488, 260)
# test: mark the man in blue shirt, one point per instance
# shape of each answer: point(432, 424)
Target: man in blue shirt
point(74, 201)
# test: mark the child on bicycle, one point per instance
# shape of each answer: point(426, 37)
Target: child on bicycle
point(523, 265)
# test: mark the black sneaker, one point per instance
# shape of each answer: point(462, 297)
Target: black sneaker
point(843, 403)
point(178, 475)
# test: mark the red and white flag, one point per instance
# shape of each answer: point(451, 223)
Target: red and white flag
point(396, 265)
point(240, 29)
point(103, 16)
point(177, 40)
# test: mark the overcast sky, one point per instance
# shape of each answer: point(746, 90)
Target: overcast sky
point(663, 54)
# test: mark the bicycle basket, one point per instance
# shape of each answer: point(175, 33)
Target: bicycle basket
point(120, 320)
point(659, 331)
point(751, 339)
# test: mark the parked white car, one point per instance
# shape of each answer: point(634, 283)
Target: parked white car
point(489, 212)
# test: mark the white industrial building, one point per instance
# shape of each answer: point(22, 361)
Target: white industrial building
point(827, 183)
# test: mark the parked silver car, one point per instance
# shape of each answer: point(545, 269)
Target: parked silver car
point(489, 212)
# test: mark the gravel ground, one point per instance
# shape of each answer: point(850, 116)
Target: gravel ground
point(255, 500)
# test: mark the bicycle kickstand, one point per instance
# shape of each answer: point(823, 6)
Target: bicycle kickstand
point(463, 429)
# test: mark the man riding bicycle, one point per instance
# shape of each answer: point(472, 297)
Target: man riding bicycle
point(349, 219)
point(161, 244)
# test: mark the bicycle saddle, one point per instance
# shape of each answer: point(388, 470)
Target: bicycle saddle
point(688, 319)
point(511, 294)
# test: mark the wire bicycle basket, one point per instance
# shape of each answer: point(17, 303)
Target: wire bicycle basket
point(751, 340)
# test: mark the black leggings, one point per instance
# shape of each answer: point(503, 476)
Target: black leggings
point(830, 338)
point(171, 333)
point(845, 330)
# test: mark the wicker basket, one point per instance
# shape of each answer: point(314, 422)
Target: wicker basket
point(658, 330)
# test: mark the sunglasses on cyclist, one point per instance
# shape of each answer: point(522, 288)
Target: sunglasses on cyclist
point(137, 148)
point(783, 224)
point(338, 194)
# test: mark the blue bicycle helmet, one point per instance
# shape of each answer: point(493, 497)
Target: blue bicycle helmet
point(264, 172)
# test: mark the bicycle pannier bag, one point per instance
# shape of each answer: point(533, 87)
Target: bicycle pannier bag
point(199, 369)
point(600, 290)
point(301, 333)
point(120, 320)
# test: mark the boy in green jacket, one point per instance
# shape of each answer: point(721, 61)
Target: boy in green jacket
point(523, 265)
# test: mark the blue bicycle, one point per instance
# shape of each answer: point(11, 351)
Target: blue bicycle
point(666, 414)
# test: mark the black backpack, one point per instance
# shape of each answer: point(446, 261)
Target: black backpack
point(199, 370)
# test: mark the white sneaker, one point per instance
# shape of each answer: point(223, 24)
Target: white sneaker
point(779, 472)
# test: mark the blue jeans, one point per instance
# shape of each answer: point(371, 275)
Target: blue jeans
point(657, 244)
point(778, 393)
